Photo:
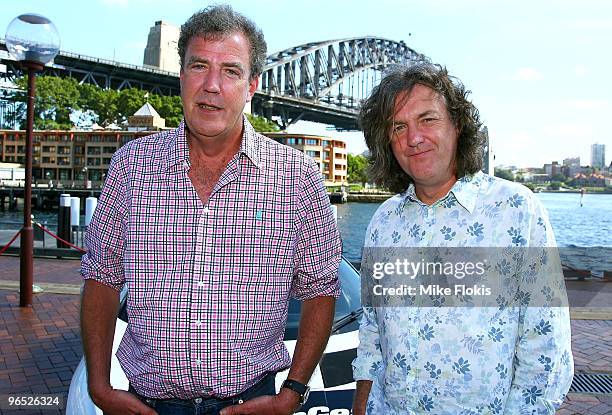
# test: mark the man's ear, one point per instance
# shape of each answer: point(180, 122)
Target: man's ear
point(253, 84)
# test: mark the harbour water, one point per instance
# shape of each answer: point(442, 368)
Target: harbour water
point(576, 228)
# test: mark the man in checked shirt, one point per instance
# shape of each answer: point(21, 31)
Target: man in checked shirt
point(213, 228)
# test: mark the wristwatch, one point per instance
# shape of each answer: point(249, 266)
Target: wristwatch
point(299, 388)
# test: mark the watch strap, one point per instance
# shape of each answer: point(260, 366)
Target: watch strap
point(297, 387)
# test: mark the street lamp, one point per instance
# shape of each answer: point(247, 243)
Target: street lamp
point(32, 40)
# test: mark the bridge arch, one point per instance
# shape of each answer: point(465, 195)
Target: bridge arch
point(333, 76)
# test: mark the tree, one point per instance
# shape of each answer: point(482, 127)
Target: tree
point(558, 177)
point(130, 100)
point(56, 99)
point(171, 108)
point(262, 124)
point(357, 169)
point(504, 174)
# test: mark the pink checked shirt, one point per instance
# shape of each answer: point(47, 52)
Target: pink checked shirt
point(208, 285)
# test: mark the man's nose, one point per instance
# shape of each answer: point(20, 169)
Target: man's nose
point(212, 82)
point(414, 136)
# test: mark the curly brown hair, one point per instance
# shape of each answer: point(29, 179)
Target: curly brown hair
point(376, 120)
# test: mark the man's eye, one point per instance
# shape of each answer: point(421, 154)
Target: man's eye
point(233, 72)
point(399, 128)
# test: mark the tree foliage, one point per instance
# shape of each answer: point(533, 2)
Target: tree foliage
point(62, 103)
point(56, 99)
point(504, 174)
point(357, 169)
point(261, 124)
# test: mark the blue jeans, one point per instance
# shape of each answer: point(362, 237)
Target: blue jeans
point(208, 406)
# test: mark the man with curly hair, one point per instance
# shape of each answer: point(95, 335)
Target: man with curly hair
point(419, 357)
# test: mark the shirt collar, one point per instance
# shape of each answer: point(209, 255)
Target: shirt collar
point(465, 191)
point(177, 149)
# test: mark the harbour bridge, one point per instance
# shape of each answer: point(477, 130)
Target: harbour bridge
point(323, 82)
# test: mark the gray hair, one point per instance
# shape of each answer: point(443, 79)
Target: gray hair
point(376, 120)
point(219, 21)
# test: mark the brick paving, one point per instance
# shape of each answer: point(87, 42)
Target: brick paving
point(40, 346)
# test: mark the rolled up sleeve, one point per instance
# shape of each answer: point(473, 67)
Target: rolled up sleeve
point(105, 238)
point(318, 246)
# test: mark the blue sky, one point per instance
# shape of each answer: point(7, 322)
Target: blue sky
point(538, 70)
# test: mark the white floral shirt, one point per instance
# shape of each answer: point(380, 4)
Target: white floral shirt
point(464, 360)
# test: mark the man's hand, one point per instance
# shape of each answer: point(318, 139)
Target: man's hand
point(118, 402)
point(285, 403)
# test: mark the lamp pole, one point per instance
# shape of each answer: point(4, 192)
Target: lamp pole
point(26, 252)
point(32, 40)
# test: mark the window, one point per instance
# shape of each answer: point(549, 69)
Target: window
point(9, 149)
point(48, 149)
point(63, 161)
point(63, 150)
point(291, 141)
point(311, 142)
point(109, 150)
point(94, 150)
point(94, 161)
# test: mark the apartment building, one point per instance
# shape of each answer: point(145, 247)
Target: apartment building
point(66, 155)
point(330, 154)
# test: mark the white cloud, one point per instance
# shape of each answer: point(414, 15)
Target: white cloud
point(112, 3)
point(574, 130)
point(581, 70)
point(590, 24)
point(527, 74)
point(587, 104)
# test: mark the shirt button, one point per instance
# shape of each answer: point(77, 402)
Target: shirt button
point(206, 210)
point(198, 323)
point(198, 362)
point(200, 284)
point(198, 400)
point(185, 165)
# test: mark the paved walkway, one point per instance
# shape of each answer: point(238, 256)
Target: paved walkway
point(40, 346)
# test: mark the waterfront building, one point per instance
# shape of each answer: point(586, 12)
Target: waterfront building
point(552, 169)
point(66, 155)
point(69, 156)
point(598, 156)
point(146, 119)
point(571, 166)
point(73, 157)
point(162, 47)
point(330, 154)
